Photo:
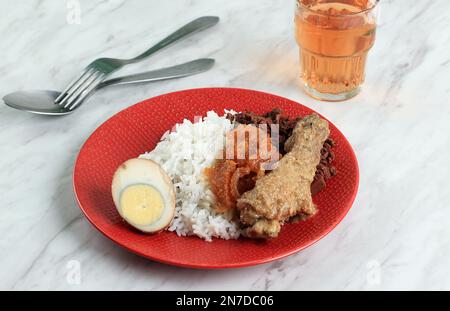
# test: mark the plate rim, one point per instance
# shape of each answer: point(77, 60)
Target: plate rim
point(218, 266)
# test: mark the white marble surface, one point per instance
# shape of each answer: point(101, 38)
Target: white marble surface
point(397, 235)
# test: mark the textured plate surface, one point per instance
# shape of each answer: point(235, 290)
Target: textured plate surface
point(138, 129)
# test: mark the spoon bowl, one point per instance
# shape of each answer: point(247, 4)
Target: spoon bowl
point(36, 101)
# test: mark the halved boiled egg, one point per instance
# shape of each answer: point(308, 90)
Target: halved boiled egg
point(144, 195)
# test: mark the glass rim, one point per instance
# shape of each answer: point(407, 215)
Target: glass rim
point(299, 2)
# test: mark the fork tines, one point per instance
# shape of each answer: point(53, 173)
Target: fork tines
point(77, 91)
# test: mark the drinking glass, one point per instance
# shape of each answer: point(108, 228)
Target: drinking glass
point(334, 37)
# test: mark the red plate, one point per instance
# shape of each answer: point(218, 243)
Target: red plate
point(139, 128)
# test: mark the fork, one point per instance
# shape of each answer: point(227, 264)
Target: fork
point(100, 69)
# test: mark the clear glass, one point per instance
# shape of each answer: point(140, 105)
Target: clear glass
point(334, 37)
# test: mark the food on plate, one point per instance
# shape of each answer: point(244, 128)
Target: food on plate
point(237, 173)
point(144, 195)
point(184, 154)
point(325, 170)
point(286, 191)
point(240, 174)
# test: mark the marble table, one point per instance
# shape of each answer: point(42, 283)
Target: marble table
point(396, 236)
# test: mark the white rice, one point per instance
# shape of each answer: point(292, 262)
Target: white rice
point(184, 153)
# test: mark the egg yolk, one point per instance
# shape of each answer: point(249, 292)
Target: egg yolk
point(141, 204)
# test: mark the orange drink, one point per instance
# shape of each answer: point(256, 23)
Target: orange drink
point(334, 37)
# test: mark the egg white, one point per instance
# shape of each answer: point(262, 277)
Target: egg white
point(145, 172)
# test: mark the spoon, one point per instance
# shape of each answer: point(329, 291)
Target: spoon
point(43, 101)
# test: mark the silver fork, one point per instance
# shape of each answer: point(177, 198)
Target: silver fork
point(100, 69)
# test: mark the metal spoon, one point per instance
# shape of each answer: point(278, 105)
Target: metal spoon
point(43, 102)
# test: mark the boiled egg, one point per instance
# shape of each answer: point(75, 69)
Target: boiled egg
point(144, 195)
